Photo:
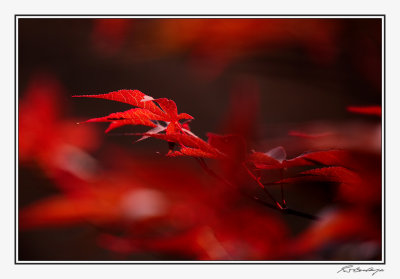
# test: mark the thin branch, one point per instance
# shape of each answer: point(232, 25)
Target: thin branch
point(211, 172)
point(279, 206)
point(288, 211)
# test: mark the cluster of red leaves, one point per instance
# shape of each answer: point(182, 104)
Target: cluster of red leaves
point(162, 214)
point(358, 182)
point(149, 114)
point(328, 165)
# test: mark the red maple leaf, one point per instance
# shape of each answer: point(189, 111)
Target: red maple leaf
point(135, 116)
point(148, 113)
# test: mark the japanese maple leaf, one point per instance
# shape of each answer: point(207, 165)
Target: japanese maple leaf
point(147, 113)
point(276, 159)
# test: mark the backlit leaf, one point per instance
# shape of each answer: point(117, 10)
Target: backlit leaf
point(132, 97)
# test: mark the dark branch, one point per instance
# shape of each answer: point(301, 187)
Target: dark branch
point(284, 210)
point(288, 211)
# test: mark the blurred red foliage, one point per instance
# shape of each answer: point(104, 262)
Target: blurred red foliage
point(57, 143)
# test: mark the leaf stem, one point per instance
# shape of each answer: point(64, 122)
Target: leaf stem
point(288, 211)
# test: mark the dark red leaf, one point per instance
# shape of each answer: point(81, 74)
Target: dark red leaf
point(327, 158)
point(264, 161)
point(329, 174)
point(370, 110)
point(308, 135)
point(335, 174)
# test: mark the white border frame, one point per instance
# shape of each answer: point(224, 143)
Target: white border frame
point(383, 147)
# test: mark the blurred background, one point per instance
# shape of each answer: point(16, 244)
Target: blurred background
point(86, 195)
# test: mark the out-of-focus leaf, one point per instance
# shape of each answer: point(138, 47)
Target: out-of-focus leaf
point(339, 226)
point(47, 136)
point(371, 110)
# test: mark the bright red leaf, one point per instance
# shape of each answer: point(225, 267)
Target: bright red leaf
point(135, 116)
point(132, 97)
point(169, 107)
point(197, 145)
